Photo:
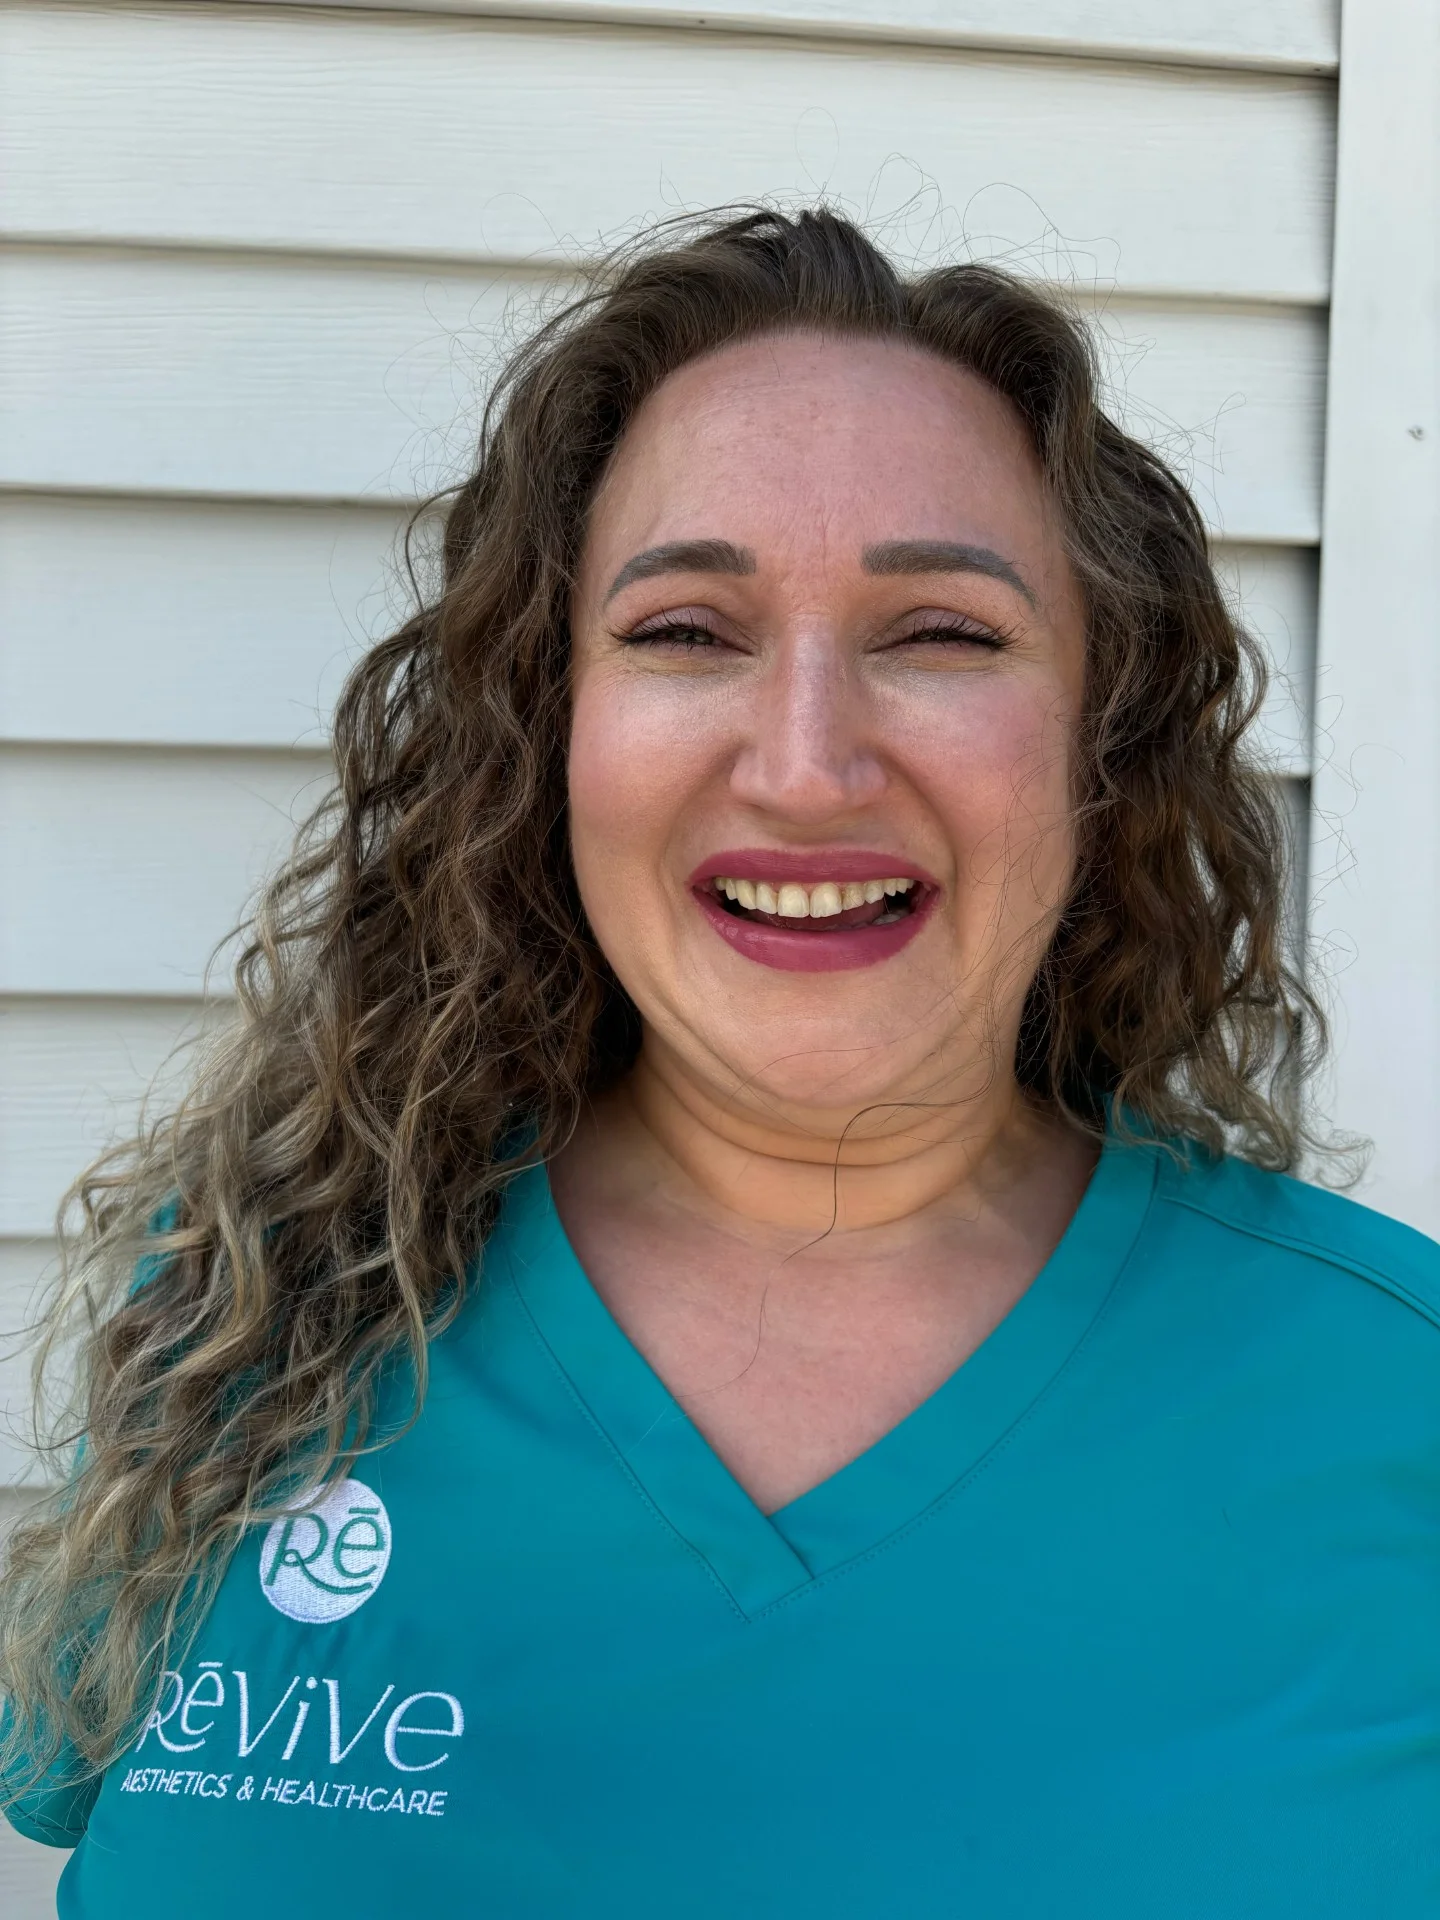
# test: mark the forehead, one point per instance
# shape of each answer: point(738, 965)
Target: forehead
point(813, 435)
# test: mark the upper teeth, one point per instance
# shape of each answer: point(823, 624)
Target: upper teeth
point(793, 902)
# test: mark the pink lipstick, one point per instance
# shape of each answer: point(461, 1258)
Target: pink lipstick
point(859, 934)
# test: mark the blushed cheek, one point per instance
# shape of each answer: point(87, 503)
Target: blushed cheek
point(607, 801)
point(1001, 783)
point(632, 771)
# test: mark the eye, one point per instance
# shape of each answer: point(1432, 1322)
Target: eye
point(955, 631)
point(688, 632)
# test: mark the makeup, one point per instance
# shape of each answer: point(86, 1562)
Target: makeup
point(817, 911)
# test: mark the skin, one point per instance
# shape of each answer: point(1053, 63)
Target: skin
point(818, 1192)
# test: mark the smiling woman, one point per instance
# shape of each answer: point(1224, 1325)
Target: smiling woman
point(810, 446)
point(745, 1217)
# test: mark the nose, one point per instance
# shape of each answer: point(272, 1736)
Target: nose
point(808, 755)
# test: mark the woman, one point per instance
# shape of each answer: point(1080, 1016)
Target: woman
point(726, 1333)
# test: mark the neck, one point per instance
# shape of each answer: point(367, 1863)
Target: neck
point(826, 1172)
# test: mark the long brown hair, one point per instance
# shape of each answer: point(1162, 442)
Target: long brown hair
point(420, 1002)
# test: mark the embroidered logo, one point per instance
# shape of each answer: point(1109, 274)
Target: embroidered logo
point(323, 1561)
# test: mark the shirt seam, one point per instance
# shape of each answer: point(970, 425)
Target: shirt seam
point(1297, 1243)
point(632, 1480)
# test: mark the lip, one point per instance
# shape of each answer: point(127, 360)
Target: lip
point(837, 952)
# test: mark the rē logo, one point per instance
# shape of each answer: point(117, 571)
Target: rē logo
point(323, 1561)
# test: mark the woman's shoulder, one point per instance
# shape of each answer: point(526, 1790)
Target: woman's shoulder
point(1266, 1217)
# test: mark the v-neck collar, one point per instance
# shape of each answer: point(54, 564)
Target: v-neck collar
point(761, 1558)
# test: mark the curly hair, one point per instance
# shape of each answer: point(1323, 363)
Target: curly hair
point(421, 1006)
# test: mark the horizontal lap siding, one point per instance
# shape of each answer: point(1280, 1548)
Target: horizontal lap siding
point(129, 866)
point(74, 1070)
point(255, 268)
point(1299, 36)
point(288, 379)
point(245, 615)
point(474, 138)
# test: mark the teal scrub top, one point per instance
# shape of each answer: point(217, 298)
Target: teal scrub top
point(1138, 1615)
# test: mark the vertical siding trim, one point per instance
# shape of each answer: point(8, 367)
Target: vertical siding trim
point(1375, 849)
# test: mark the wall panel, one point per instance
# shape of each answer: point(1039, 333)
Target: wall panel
point(478, 138)
point(183, 622)
point(1375, 900)
point(28, 1873)
point(296, 380)
point(121, 870)
point(74, 1071)
point(1274, 590)
point(1299, 36)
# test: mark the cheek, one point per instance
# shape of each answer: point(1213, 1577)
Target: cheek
point(632, 766)
point(998, 774)
point(607, 795)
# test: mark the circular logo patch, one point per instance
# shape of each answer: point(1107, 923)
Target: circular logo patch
point(326, 1559)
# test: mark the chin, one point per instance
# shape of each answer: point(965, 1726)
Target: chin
point(826, 1068)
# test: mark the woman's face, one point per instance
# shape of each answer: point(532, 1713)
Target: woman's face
point(828, 661)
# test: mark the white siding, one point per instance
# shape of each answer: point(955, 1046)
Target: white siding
point(246, 615)
point(466, 138)
point(290, 379)
point(1376, 855)
point(23, 1266)
point(126, 867)
point(74, 1070)
point(1299, 36)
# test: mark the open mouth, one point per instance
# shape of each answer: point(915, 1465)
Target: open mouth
point(820, 912)
point(832, 906)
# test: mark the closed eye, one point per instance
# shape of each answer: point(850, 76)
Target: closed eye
point(956, 632)
point(686, 632)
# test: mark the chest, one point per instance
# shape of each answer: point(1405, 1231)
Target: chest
point(790, 1361)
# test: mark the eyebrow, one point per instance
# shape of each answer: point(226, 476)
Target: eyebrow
point(942, 556)
point(683, 556)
